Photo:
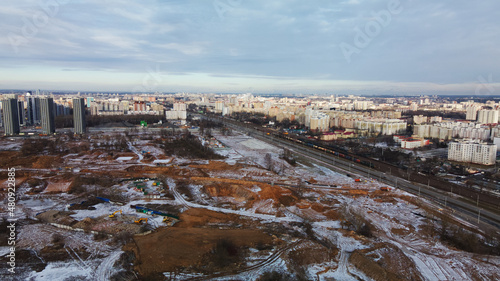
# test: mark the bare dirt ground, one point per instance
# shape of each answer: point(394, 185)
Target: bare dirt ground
point(187, 244)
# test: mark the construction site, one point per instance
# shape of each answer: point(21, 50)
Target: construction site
point(123, 207)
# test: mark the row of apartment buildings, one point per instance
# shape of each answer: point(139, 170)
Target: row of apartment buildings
point(462, 130)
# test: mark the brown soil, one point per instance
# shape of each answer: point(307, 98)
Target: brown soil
point(200, 217)
point(393, 264)
point(240, 190)
point(15, 159)
point(11, 158)
point(332, 215)
point(58, 187)
point(311, 253)
point(400, 231)
point(318, 207)
point(4, 184)
point(59, 217)
point(46, 162)
point(171, 248)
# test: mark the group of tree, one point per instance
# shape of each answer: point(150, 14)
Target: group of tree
point(109, 143)
point(188, 146)
point(96, 120)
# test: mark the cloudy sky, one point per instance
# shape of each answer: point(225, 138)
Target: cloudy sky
point(260, 46)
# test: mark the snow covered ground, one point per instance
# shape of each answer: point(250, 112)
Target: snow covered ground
point(397, 222)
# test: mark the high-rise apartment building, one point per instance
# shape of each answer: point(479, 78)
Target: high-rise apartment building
point(47, 113)
point(487, 117)
point(471, 111)
point(10, 117)
point(472, 151)
point(79, 115)
point(178, 113)
point(33, 110)
point(21, 112)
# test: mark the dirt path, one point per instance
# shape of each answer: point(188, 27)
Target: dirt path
point(105, 269)
point(268, 261)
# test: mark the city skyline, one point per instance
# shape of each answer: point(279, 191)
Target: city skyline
point(352, 47)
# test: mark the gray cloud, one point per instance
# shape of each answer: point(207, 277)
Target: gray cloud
point(428, 42)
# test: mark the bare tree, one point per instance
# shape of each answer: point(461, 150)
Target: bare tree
point(300, 188)
point(268, 161)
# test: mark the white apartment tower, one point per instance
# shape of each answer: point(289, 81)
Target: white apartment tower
point(487, 117)
point(471, 113)
point(472, 152)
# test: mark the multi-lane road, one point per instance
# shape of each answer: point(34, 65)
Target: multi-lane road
point(461, 207)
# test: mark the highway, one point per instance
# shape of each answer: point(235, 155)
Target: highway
point(462, 207)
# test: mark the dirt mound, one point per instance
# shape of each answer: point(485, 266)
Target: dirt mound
point(391, 264)
point(310, 253)
point(200, 217)
point(15, 158)
point(4, 184)
point(59, 217)
point(47, 162)
point(333, 215)
point(58, 187)
point(319, 207)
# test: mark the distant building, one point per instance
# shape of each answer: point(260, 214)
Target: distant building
point(374, 126)
point(471, 112)
point(487, 117)
point(410, 142)
point(472, 152)
point(79, 119)
point(497, 142)
point(177, 113)
point(33, 110)
point(449, 130)
point(47, 112)
point(21, 112)
point(319, 122)
point(10, 117)
point(419, 119)
point(219, 106)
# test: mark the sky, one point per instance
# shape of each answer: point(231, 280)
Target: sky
point(261, 46)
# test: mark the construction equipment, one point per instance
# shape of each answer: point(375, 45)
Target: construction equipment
point(139, 221)
point(114, 214)
point(169, 221)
